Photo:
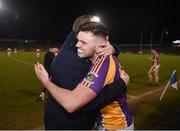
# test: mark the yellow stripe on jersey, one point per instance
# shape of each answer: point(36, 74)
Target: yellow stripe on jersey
point(95, 63)
point(111, 71)
point(113, 117)
point(94, 70)
point(86, 82)
point(98, 65)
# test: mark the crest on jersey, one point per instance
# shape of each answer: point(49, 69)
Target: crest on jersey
point(90, 77)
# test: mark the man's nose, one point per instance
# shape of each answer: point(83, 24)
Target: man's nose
point(78, 44)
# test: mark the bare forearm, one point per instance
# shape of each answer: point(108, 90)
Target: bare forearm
point(70, 100)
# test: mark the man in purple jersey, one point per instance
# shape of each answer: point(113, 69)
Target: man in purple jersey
point(104, 71)
point(67, 70)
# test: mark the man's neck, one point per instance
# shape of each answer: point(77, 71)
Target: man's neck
point(93, 58)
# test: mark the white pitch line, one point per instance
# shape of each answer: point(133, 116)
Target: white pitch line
point(131, 97)
point(149, 93)
point(143, 95)
point(22, 61)
point(31, 64)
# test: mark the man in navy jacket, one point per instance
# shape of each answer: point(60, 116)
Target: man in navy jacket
point(67, 70)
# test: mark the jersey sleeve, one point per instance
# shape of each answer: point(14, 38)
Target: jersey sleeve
point(101, 73)
point(108, 94)
point(105, 82)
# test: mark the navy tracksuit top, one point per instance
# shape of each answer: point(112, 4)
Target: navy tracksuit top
point(67, 71)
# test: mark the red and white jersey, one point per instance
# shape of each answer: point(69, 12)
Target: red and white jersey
point(15, 50)
point(155, 58)
point(9, 49)
point(37, 50)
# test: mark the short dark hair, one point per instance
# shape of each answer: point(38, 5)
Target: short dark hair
point(80, 20)
point(97, 28)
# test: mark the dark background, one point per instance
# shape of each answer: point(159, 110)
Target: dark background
point(127, 20)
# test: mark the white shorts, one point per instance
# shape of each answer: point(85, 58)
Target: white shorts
point(154, 69)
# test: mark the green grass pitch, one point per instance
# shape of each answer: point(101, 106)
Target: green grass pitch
point(20, 107)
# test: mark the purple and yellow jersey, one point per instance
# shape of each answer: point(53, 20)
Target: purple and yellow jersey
point(104, 71)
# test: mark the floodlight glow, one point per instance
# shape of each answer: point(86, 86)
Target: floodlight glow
point(96, 19)
point(1, 5)
point(176, 42)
